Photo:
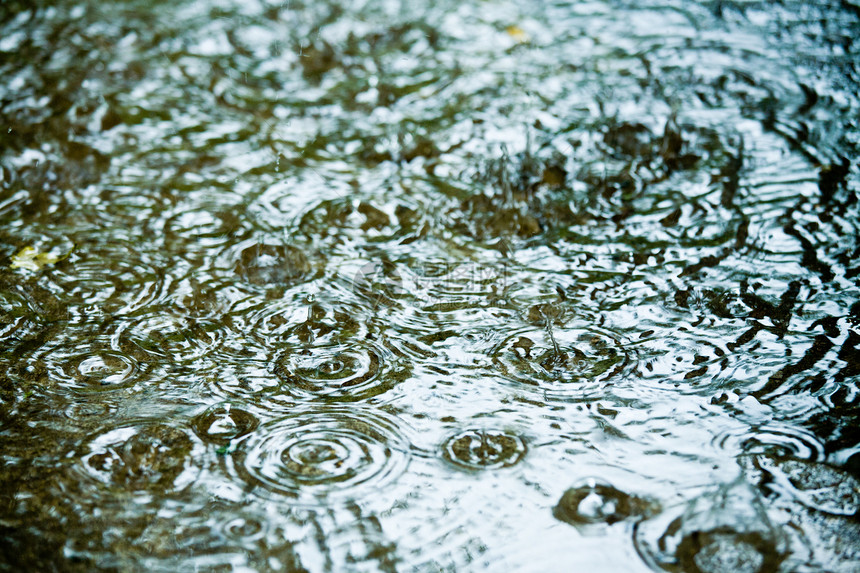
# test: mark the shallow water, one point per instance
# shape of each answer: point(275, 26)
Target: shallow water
point(455, 286)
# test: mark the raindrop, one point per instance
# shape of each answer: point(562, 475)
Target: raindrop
point(569, 362)
point(593, 502)
point(336, 370)
point(224, 422)
point(726, 532)
point(773, 440)
point(265, 265)
point(482, 449)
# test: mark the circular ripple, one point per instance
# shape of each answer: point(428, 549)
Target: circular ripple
point(346, 371)
point(300, 318)
point(97, 369)
point(336, 219)
point(245, 379)
point(191, 224)
point(776, 441)
point(724, 550)
point(716, 550)
point(320, 455)
point(691, 365)
point(593, 502)
point(224, 422)
point(245, 529)
point(169, 338)
point(88, 412)
point(482, 449)
point(276, 321)
point(584, 360)
point(103, 369)
point(378, 283)
point(146, 456)
point(421, 338)
point(118, 280)
point(326, 371)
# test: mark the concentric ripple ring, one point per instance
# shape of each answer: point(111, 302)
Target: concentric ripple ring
point(346, 371)
point(322, 454)
point(482, 449)
point(568, 362)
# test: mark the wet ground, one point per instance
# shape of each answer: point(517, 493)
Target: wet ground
point(439, 286)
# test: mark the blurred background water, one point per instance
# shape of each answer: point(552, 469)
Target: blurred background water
point(437, 286)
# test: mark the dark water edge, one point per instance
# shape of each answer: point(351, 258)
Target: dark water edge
point(449, 286)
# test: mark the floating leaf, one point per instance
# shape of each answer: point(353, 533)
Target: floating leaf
point(29, 258)
point(518, 34)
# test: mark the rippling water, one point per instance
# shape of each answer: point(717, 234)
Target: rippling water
point(441, 286)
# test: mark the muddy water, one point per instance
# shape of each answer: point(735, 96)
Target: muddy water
point(442, 286)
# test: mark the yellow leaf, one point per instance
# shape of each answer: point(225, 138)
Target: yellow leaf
point(30, 259)
point(518, 34)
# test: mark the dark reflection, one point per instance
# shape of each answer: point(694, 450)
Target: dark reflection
point(726, 550)
point(818, 486)
point(149, 456)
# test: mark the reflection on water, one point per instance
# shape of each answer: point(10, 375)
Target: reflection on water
point(447, 286)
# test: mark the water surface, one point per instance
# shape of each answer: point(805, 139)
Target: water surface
point(447, 286)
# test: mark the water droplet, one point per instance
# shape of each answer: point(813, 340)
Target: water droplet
point(224, 422)
point(578, 361)
point(725, 532)
point(593, 502)
point(484, 449)
point(271, 265)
